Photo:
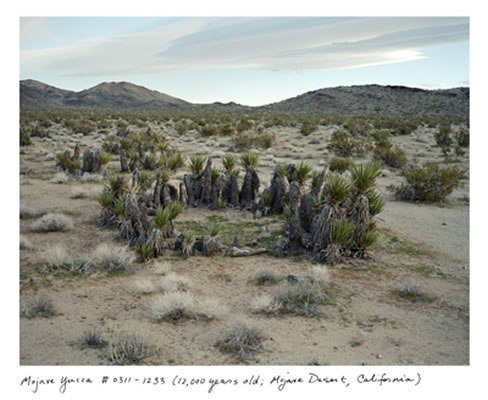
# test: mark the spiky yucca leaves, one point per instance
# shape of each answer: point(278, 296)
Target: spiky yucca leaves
point(337, 190)
point(161, 218)
point(376, 202)
point(249, 159)
point(188, 243)
point(197, 163)
point(119, 206)
point(341, 231)
point(105, 158)
point(145, 178)
point(314, 179)
point(303, 170)
point(370, 238)
point(106, 199)
point(364, 176)
point(281, 170)
point(229, 162)
point(267, 201)
point(174, 209)
point(214, 175)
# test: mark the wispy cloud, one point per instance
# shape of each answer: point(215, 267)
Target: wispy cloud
point(251, 43)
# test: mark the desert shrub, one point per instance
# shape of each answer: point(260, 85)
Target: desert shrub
point(393, 157)
point(340, 164)
point(79, 193)
point(242, 340)
point(67, 164)
point(197, 163)
point(249, 159)
point(27, 212)
point(175, 161)
point(129, 349)
point(318, 275)
point(208, 309)
point(307, 128)
point(208, 130)
point(93, 338)
point(427, 183)
point(175, 283)
point(462, 138)
point(243, 125)
point(57, 256)
point(25, 139)
point(344, 145)
point(247, 140)
point(172, 306)
point(265, 304)
point(38, 306)
point(59, 178)
point(110, 258)
point(24, 243)
point(302, 298)
point(265, 278)
point(53, 222)
point(91, 178)
point(143, 286)
point(443, 136)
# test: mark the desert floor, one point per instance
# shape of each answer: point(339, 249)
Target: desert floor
point(366, 322)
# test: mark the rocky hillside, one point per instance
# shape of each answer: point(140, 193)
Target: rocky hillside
point(378, 100)
point(364, 100)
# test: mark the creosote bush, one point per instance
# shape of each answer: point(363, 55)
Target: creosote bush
point(340, 164)
point(427, 183)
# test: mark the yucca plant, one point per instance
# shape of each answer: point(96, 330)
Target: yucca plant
point(316, 203)
point(161, 218)
point(266, 197)
point(214, 175)
point(165, 176)
point(370, 238)
point(314, 179)
point(174, 209)
point(249, 159)
point(229, 162)
point(215, 230)
point(106, 199)
point(341, 231)
point(376, 202)
point(145, 177)
point(119, 206)
point(105, 158)
point(116, 183)
point(364, 176)
point(176, 161)
point(337, 189)
point(197, 163)
point(145, 251)
point(303, 170)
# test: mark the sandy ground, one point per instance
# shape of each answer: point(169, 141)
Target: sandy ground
point(366, 322)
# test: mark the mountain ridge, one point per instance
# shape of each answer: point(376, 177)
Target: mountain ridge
point(354, 100)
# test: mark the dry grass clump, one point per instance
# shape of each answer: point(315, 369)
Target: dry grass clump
point(172, 307)
point(242, 340)
point(129, 349)
point(59, 178)
point(28, 213)
point(144, 286)
point(410, 290)
point(319, 275)
point(111, 258)
point(25, 243)
point(57, 256)
point(302, 298)
point(265, 278)
point(175, 283)
point(209, 309)
point(91, 178)
point(53, 222)
point(93, 338)
point(79, 193)
point(40, 306)
point(265, 304)
point(161, 269)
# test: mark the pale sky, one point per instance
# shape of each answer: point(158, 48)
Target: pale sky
point(251, 61)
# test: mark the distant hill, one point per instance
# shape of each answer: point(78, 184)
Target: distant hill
point(362, 100)
point(376, 100)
